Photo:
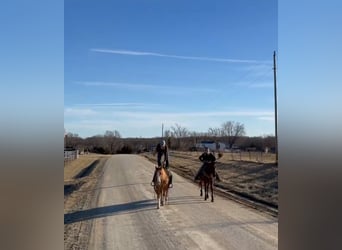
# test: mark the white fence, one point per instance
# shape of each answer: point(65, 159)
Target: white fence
point(70, 155)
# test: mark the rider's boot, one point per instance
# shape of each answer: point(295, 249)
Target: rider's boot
point(170, 181)
point(154, 176)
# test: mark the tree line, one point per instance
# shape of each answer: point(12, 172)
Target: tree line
point(177, 137)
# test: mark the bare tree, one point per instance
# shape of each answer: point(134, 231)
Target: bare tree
point(72, 140)
point(111, 139)
point(167, 133)
point(232, 130)
point(114, 133)
point(179, 132)
point(109, 133)
point(117, 134)
point(269, 141)
point(215, 132)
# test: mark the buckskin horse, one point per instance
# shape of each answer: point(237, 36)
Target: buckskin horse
point(161, 185)
point(207, 179)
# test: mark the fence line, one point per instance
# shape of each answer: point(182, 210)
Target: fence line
point(255, 156)
point(70, 155)
point(252, 156)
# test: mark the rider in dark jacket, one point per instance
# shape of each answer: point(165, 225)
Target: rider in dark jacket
point(162, 150)
point(206, 157)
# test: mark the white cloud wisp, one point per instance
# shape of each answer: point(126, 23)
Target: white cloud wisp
point(213, 59)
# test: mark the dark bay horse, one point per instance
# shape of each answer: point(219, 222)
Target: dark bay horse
point(207, 180)
point(161, 185)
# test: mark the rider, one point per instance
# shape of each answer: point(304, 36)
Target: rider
point(161, 150)
point(206, 157)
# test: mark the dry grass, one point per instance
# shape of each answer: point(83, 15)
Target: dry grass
point(255, 176)
point(79, 194)
point(72, 168)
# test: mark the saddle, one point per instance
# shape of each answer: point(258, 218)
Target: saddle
point(166, 169)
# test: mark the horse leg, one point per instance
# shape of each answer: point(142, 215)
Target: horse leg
point(212, 190)
point(206, 190)
point(158, 201)
point(204, 186)
point(201, 194)
point(166, 195)
point(162, 197)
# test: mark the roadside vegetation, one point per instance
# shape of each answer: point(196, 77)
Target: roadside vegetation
point(231, 134)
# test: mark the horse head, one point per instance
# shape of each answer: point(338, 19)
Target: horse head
point(158, 174)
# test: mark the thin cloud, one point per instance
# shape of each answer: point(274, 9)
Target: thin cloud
point(117, 104)
point(116, 84)
point(129, 106)
point(79, 112)
point(166, 115)
point(141, 86)
point(254, 85)
point(261, 85)
point(143, 53)
point(267, 118)
point(178, 115)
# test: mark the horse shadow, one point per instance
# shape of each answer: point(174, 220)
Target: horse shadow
point(184, 200)
point(100, 212)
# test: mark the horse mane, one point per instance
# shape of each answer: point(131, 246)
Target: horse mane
point(209, 168)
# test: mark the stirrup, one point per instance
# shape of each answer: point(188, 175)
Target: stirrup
point(171, 185)
point(152, 183)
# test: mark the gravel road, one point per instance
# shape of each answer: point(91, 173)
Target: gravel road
point(126, 216)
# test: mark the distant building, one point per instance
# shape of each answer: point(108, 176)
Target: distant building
point(212, 145)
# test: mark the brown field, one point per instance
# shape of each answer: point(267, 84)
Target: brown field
point(251, 177)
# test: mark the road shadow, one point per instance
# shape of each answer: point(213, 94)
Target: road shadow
point(185, 200)
point(101, 212)
point(115, 186)
point(123, 185)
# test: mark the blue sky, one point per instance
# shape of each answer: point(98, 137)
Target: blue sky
point(133, 65)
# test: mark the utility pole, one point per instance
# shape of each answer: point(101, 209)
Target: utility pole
point(162, 130)
point(275, 106)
